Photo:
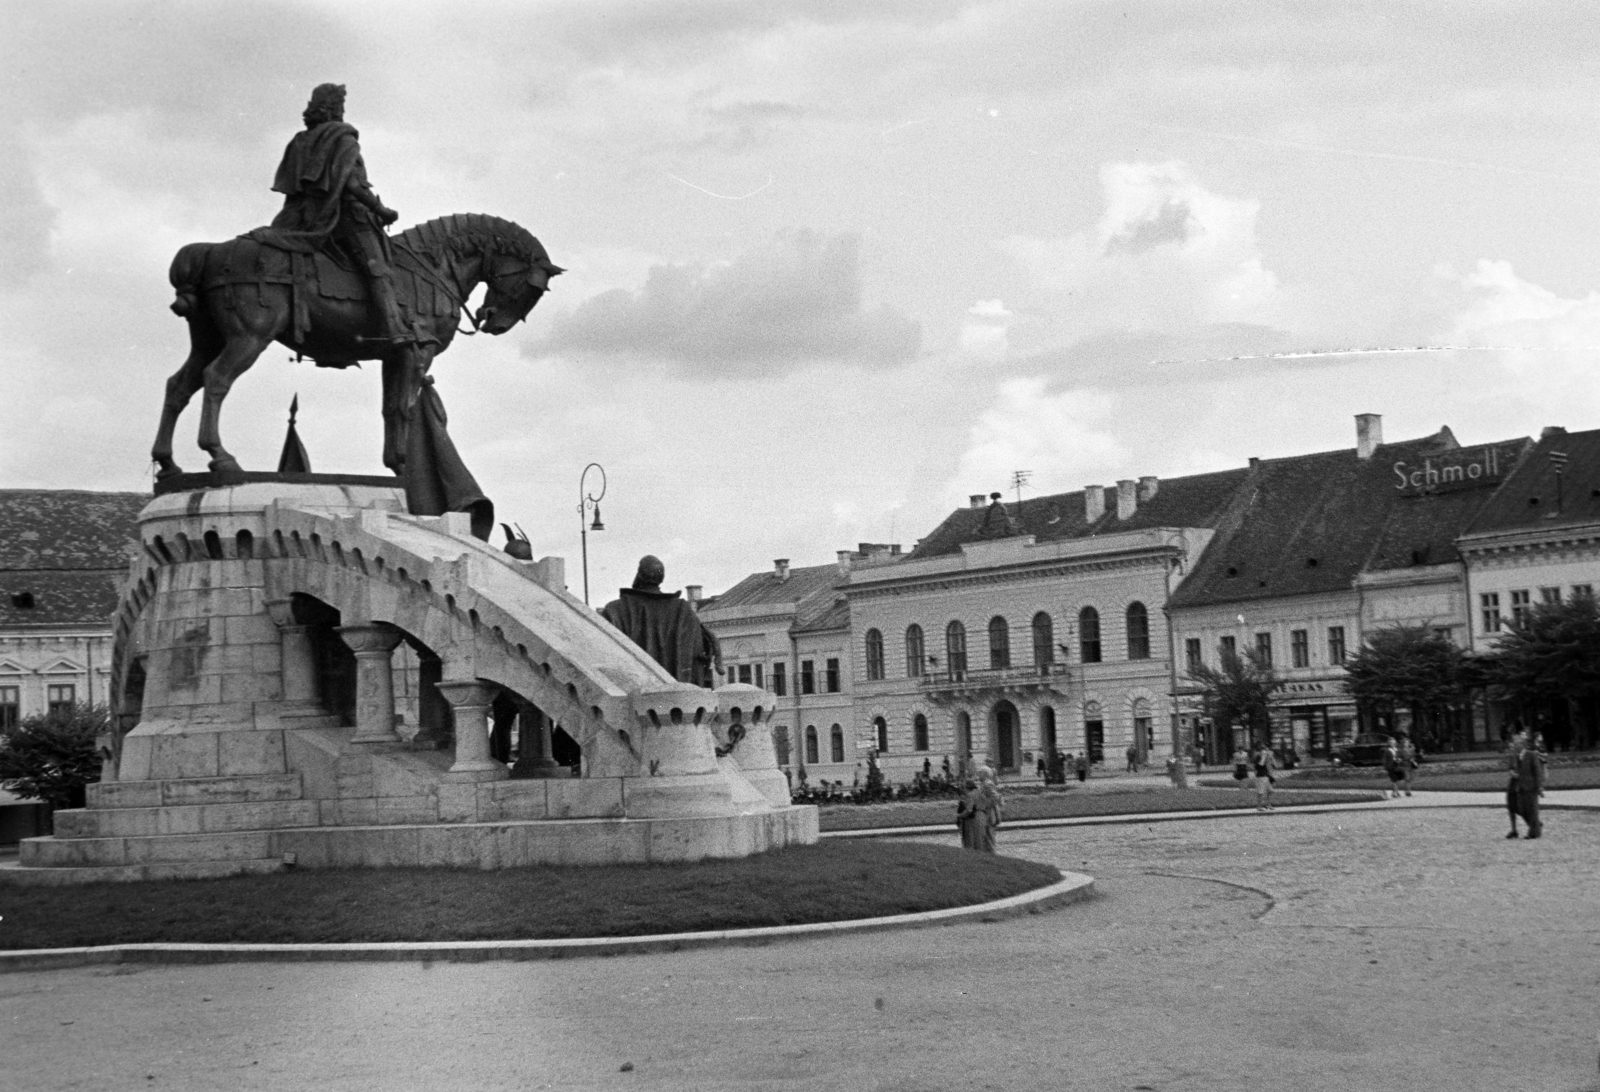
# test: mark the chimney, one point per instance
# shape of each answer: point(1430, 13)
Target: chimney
point(691, 592)
point(1127, 498)
point(843, 557)
point(1369, 434)
point(780, 569)
point(1148, 486)
point(975, 500)
point(1094, 502)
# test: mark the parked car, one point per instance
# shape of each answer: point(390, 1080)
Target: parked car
point(1365, 750)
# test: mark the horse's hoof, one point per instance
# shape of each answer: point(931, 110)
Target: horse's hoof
point(227, 471)
point(170, 470)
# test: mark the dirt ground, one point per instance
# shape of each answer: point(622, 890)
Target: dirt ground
point(1403, 949)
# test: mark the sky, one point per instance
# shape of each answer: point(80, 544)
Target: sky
point(832, 267)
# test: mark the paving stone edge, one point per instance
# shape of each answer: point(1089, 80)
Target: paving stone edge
point(1072, 887)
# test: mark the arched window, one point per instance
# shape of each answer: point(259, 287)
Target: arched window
point(999, 643)
point(836, 743)
point(1138, 632)
point(1089, 635)
point(811, 744)
point(914, 652)
point(955, 649)
point(1044, 641)
point(963, 735)
point(874, 655)
point(919, 732)
point(882, 727)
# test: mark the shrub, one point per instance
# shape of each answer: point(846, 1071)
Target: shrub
point(52, 756)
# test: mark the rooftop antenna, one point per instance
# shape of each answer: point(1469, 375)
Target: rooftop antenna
point(1019, 478)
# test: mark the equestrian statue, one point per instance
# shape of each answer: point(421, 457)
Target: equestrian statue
point(325, 280)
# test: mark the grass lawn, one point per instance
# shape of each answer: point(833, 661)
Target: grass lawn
point(1061, 805)
point(833, 881)
point(1443, 778)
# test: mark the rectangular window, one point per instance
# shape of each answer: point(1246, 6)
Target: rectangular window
point(1336, 644)
point(1442, 632)
point(744, 673)
point(1583, 591)
point(62, 697)
point(780, 680)
point(1300, 647)
point(1549, 595)
point(808, 677)
point(10, 707)
point(1264, 648)
point(1191, 652)
point(833, 676)
point(758, 677)
point(1229, 647)
point(1521, 604)
point(1490, 602)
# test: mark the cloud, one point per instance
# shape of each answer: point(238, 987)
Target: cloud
point(1064, 437)
point(984, 333)
point(795, 299)
point(26, 217)
point(1167, 255)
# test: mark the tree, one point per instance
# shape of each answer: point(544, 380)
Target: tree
point(1415, 669)
point(1240, 692)
point(1549, 664)
point(52, 756)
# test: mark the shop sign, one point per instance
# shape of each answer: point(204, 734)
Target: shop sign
point(1470, 468)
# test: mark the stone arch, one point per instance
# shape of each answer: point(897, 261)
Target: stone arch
point(1005, 736)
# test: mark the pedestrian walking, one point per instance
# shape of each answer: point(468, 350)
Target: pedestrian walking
point(1408, 760)
point(979, 811)
point(1177, 773)
point(966, 812)
point(1264, 762)
point(1133, 758)
point(1526, 786)
point(1241, 770)
point(1082, 766)
point(1395, 766)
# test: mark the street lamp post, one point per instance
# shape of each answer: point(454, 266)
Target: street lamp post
point(585, 502)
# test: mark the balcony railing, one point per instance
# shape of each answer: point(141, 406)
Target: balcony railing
point(1022, 679)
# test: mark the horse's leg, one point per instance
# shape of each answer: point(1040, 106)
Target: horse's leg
point(204, 344)
point(235, 359)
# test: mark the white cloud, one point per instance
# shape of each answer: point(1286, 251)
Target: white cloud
point(1064, 437)
point(795, 298)
point(1166, 255)
point(984, 334)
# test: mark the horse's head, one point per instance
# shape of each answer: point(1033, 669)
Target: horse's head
point(516, 281)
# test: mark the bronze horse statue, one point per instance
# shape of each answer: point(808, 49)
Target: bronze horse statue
point(244, 294)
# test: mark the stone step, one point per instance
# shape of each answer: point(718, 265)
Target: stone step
point(144, 849)
point(185, 819)
point(248, 789)
point(20, 875)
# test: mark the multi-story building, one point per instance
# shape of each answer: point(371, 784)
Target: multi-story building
point(1323, 550)
point(1536, 541)
point(62, 554)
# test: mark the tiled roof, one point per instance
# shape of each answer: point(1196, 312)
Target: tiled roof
point(823, 614)
point(67, 528)
point(1311, 523)
point(63, 551)
point(1198, 500)
point(1527, 501)
point(765, 587)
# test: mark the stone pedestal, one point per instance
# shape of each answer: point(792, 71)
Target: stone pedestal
point(373, 645)
point(469, 703)
point(533, 746)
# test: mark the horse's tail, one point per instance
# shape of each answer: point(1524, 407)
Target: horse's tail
point(188, 269)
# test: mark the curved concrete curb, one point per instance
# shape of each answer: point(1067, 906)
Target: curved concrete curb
point(1072, 887)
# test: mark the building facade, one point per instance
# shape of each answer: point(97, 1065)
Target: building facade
point(62, 556)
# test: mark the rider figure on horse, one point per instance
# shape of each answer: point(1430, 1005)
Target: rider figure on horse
point(327, 202)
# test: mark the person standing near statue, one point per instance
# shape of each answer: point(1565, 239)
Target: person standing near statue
point(328, 202)
point(665, 626)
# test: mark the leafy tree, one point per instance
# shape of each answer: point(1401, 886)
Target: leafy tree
point(1239, 691)
point(52, 756)
point(1416, 669)
point(1550, 663)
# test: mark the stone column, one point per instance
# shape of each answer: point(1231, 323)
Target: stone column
point(469, 703)
point(373, 645)
point(298, 661)
point(533, 745)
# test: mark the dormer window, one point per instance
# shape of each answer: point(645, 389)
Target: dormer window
point(22, 600)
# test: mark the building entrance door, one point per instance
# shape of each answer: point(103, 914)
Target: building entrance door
point(1004, 727)
point(1094, 739)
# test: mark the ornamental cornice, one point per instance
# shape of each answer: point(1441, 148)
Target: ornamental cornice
point(1036, 571)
